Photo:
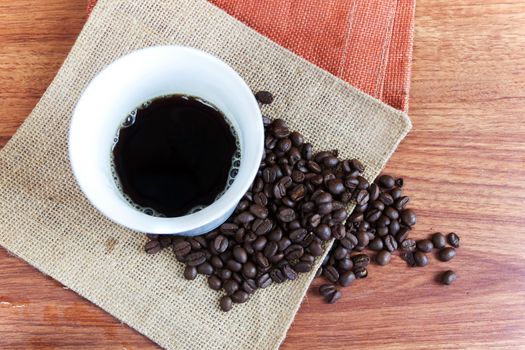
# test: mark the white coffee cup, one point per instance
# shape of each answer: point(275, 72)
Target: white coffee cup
point(142, 76)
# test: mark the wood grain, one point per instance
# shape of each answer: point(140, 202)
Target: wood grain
point(463, 164)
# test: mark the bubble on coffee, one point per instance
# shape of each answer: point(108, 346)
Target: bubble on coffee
point(130, 120)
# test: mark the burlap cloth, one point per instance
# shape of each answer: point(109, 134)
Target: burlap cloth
point(45, 219)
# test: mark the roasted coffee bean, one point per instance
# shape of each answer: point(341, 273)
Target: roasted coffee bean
point(401, 202)
point(393, 228)
point(424, 245)
point(396, 193)
point(362, 238)
point(284, 243)
point(289, 272)
point(195, 259)
point(448, 277)
point(447, 254)
point(297, 176)
point(382, 231)
point(298, 235)
point(243, 218)
point(345, 264)
point(286, 215)
point(351, 183)
point(239, 253)
point(181, 249)
point(313, 166)
point(307, 258)
point(264, 97)
point(236, 277)
point(226, 303)
point(205, 269)
point(240, 297)
point(453, 239)
point(362, 197)
point(315, 248)
point(297, 139)
point(224, 274)
point(233, 265)
point(319, 156)
point(259, 211)
point(383, 221)
point(309, 238)
point(332, 299)
point(153, 247)
point(165, 241)
point(248, 248)
point(286, 168)
point(249, 286)
point(390, 243)
point(228, 229)
point(323, 232)
point(360, 260)
point(386, 199)
point(325, 208)
point(230, 286)
point(408, 216)
point(346, 278)
point(277, 276)
point(373, 215)
point(378, 205)
point(383, 257)
point(331, 273)
point(302, 166)
point(261, 260)
point(336, 186)
point(271, 249)
point(284, 145)
point(363, 183)
point(402, 233)
point(339, 215)
point(340, 253)
point(294, 155)
point(421, 259)
point(361, 273)
point(408, 256)
point(220, 244)
point(259, 243)
point(338, 231)
point(399, 182)
point(386, 181)
point(293, 252)
point(357, 165)
point(408, 245)
point(376, 244)
point(307, 151)
point(439, 240)
point(264, 280)
point(326, 290)
point(250, 237)
point(314, 221)
point(288, 202)
point(152, 236)
point(297, 193)
point(190, 272)
point(391, 213)
point(303, 266)
point(216, 262)
point(214, 283)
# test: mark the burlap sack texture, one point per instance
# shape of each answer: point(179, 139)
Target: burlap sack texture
point(45, 219)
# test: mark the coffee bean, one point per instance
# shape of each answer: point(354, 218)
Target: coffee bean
point(448, 277)
point(258, 210)
point(259, 243)
point(391, 213)
point(226, 303)
point(284, 243)
point(249, 286)
point(315, 248)
point(284, 145)
point(408, 245)
point(351, 183)
point(376, 244)
point(386, 181)
point(261, 260)
point(243, 218)
point(239, 253)
point(401, 202)
point(220, 244)
point(396, 193)
point(421, 259)
point(330, 162)
point(346, 278)
point(438, 240)
point(393, 228)
point(264, 97)
point(336, 186)
point(373, 215)
point(195, 259)
point(216, 262)
point(447, 254)
point(264, 280)
point(408, 216)
point(181, 249)
point(424, 245)
point(390, 243)
point(190, 272)
point(214, 283)
point(323, 232)
point(363, 183)
point(326, 290)
point(357, 165)
point(289, 273)
point(307, 258)
point(224, 274)
point(332, 299)
point(293, 252)
point(338, 231)
point(340, 253)
point(271, 249)
point(277, 276)
point(205, 268)
point(382, 231)
point(297, 193)
point(361, 273)
point(297, 138)
point(408, 256)
point(303, 266)
point(153, 247)
point(331, 274)
point(286, 215)
point(345, 264)
point(230, 286)
point(383, 257)
point(240, 297)
point(249, 270)
point(362, 238)
point(298, 235)
point(294, 155)
point(402, 233)
point(362, 197)
point(228, 229)
point(233, 265)
point(386, 199)
point(453, 239)
point(360, 260)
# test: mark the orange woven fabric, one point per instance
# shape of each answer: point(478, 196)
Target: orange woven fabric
point(367, 43)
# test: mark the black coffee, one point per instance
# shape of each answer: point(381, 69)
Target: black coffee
point(174, 155)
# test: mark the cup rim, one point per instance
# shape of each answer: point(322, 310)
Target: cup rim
point(192, 224)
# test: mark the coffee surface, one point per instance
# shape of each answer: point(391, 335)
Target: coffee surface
point(174, 154)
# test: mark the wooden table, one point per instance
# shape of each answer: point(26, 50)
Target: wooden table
point(464, 168)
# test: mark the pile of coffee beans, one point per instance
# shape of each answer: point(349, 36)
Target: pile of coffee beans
point(298, 202)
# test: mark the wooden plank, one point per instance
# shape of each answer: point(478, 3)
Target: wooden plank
point(464, 168)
